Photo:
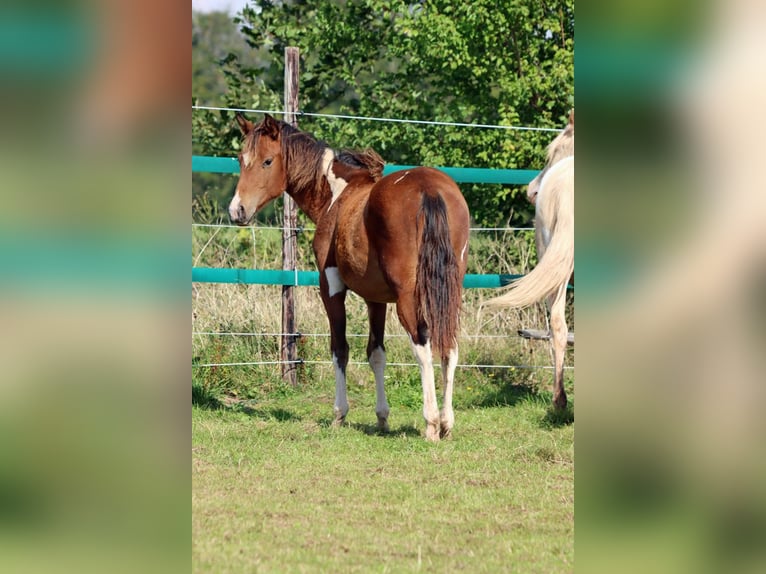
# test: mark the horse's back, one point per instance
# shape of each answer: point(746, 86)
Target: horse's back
point(395, 201)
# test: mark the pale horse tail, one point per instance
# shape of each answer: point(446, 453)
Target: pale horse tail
point(554, 219)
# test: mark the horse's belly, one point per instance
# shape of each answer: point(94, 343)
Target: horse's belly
point(367, 282)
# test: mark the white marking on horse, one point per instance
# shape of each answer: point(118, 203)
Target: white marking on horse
point(462, 253)
point(378, 365)
point(334, 281)
point(430, 407)
point(447, 415)
point(341, 398)
point(234, 206)
point(401, 178)
point(247, 158)
point(337, 184)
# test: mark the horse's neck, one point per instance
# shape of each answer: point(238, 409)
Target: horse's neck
point(317, 199)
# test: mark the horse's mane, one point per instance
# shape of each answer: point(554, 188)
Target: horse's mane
point(305, 154)
point(365, 159)
point(562, 146)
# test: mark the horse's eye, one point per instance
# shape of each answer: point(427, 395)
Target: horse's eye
point(267, 163)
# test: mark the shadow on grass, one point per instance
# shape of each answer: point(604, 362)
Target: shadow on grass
point(558, 418)
point(372, 430)
point(502, 389)
point(236, 405)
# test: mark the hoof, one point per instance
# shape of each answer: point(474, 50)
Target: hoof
point(339, 421)
point(383, 424)
point(447, 421)
point(432, 432)
point(560, 402)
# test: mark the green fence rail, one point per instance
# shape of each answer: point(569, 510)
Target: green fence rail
point(201, 163)
point(311, 278)
point(210, 164)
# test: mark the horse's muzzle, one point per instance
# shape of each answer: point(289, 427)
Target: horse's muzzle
point(237, 212)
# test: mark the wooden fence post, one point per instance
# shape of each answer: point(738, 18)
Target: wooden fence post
point(289, 347)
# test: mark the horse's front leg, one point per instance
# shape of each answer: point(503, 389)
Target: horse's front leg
point(376, 355)
point(333, 294)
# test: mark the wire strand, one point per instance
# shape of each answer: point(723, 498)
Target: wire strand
point(311, 229)
point(378, 119)
point(353, 335)
point(360, 363)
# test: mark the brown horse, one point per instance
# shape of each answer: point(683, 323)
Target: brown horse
point(552, 192)
point(398, 239)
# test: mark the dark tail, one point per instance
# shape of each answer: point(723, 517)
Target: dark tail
point(438, 284)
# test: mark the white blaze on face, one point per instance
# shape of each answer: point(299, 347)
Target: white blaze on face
point(337, 184)
point(334, 281)
point(234, 207)
point(247, 158)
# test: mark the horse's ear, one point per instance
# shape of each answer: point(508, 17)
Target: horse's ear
point(270, 126)
point(245, 125)
point(571, 117)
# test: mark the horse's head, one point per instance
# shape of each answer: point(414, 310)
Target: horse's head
point(561, 147)
point(262, 174)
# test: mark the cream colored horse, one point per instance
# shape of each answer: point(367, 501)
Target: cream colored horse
point(552, 192)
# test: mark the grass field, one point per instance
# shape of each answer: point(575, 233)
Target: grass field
point(276, 488)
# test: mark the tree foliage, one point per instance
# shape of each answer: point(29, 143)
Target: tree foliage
point(488, 62)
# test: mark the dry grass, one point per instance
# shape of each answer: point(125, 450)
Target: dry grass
point(488, 336)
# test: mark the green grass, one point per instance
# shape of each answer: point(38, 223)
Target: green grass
point(276, 488)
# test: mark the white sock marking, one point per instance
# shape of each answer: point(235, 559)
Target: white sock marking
point(425, 362)
point(337, 184)
point(378, 365)
point(335, 282)
point(448, 377)
point(341, 399)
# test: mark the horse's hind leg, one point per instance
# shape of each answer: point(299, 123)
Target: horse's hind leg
point(447, 415)
point(421, 347)
point(559, 339)
point(376, 355)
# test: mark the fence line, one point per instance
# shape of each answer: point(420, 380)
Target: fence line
point(301, 229)
point(362, 363)
point(217, 164)
point(360, 335)
point(297, 278)
point(466, 175)
point(379, 119)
